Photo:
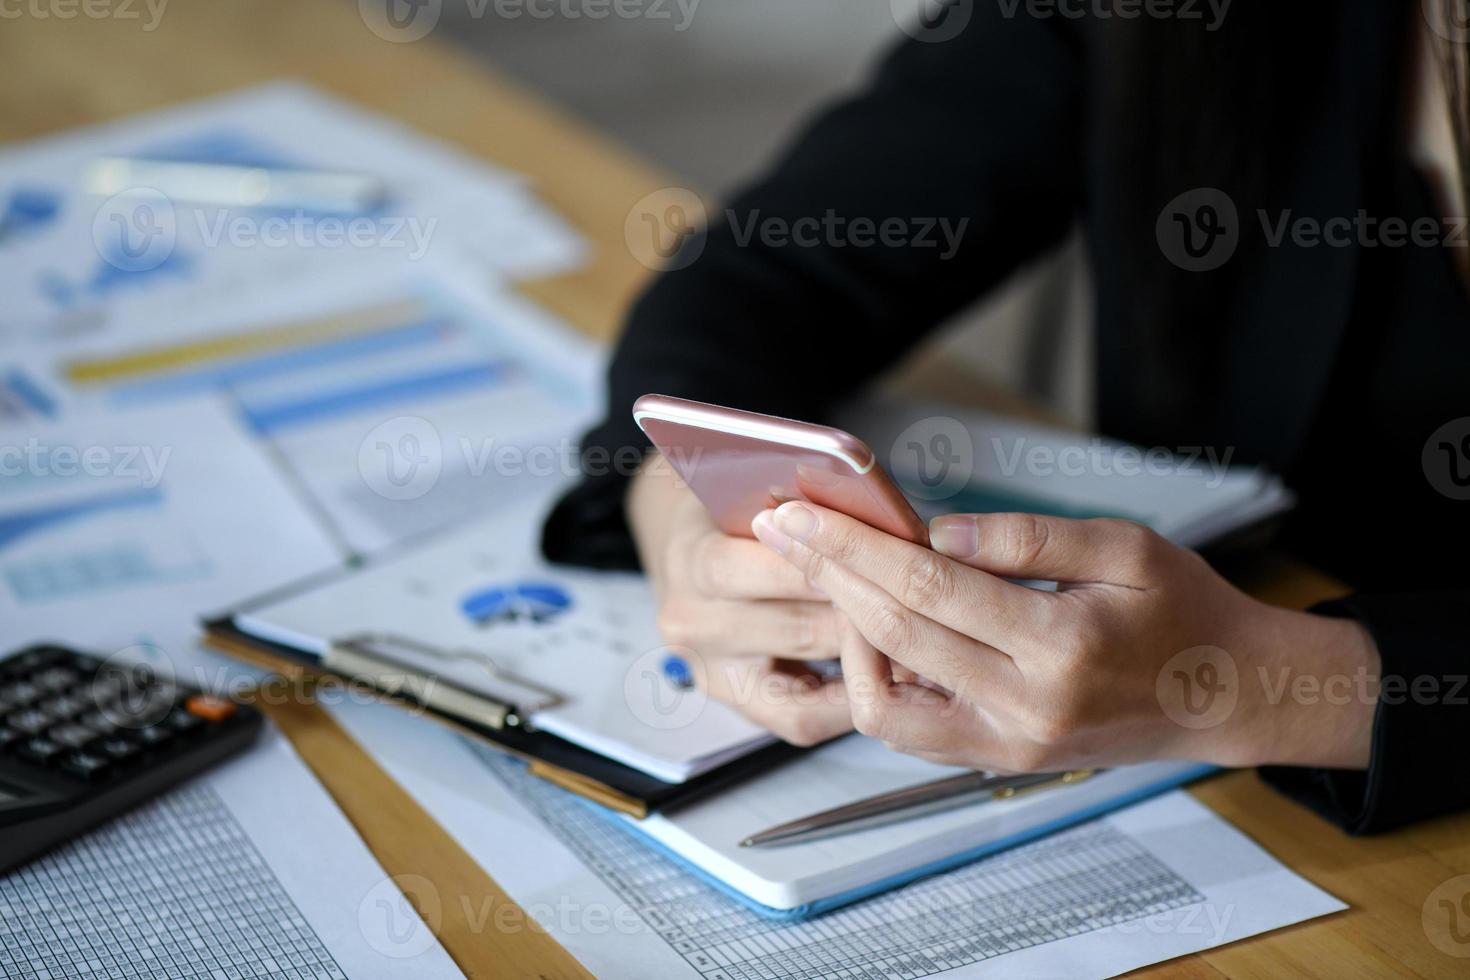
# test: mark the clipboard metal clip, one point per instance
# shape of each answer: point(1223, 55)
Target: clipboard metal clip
point(446, 681)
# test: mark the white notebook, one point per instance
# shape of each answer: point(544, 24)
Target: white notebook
point(800, 879)
point(481, 595)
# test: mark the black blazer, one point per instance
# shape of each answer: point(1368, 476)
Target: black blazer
point(1023, 128)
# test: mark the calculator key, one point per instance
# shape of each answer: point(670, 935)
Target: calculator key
point(181, 720)
point(55, 678)
point(153, 735)
point(21, 692)
point(209, 707)
point(64, 707)
point(33, 661)
point(139, 711)
point(103, 689)
point(116, 749)
point(98, 722)
point(41, 750)
point(73, 736)
point(30, 721)
point(84, 764)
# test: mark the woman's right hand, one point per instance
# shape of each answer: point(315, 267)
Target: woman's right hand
point(748, 619)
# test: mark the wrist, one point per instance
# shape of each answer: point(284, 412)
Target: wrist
point(1309, 686)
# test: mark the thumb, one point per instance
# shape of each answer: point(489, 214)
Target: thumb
point(1055, 549)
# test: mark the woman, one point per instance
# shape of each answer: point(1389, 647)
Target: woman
point(1306, 331)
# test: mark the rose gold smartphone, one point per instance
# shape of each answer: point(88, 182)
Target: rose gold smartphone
point(741, 463)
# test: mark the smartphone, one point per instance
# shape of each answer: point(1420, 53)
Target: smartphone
point(741, 463)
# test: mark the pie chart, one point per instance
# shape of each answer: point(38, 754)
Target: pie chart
point(534, 602)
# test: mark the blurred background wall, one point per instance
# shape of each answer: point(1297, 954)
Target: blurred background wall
point(711, 93)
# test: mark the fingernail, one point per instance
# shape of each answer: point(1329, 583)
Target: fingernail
point(767, 533)
point(958, 537)
point(796, 520)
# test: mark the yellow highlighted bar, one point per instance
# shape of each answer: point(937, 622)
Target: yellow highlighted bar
point(303, 333)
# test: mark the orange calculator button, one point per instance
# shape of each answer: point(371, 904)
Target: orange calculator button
point(209, 707)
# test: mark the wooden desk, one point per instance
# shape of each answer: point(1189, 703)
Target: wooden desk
point(56, 74)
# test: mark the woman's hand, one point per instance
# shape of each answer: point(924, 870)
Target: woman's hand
point(1144, 652)
point(746, 620)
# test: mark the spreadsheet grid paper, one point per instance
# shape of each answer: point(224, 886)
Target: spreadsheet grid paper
point(175, 888)
point(1073, 882)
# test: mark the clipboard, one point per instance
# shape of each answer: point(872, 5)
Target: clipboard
point(604, 781)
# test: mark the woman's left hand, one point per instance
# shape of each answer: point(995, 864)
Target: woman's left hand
point(1143, 652)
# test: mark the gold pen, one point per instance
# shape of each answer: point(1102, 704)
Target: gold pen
point(936, 796)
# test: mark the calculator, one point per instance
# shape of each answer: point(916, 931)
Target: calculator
point(82, 739)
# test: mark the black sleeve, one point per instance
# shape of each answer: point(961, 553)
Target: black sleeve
point(980, 134)
point(1420, 728)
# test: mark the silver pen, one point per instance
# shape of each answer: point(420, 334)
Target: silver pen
point(911, 801)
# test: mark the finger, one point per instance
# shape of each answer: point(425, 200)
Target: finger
point(764, 628)
point(795, 706)
point(979, 605)
point(1035, 546)
point(866, 673)
point(724, 567)
point(959, 662)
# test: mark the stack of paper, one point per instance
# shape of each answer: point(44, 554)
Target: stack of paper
point(951, 460)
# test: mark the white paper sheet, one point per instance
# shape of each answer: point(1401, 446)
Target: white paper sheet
point(249, 870)
point(76, 259)
point(623, 910)
point(117, 523)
